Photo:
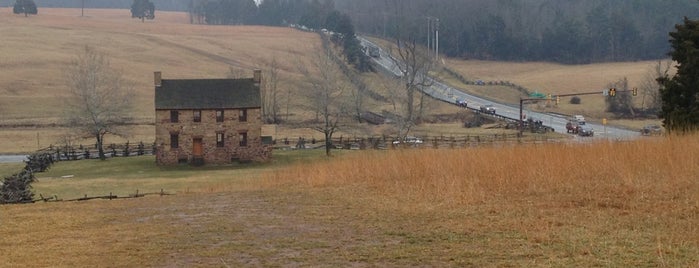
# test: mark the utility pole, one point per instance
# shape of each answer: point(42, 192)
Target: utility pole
point(429, 35)
point(433, 26)
point(436, 46)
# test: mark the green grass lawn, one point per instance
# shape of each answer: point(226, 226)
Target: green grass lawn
point(7, 169)
point(122, 176)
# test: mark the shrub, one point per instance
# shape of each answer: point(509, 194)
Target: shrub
point(575, 100)
point(17, 188)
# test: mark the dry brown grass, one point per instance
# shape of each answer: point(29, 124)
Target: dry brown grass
point(37, 48)
point(553, 78)
point(618, 204)
point(631, 203)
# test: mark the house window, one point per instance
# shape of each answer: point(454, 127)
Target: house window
point(220, 139)
point(243, 116)
point(174, 116)
point(174, 141)
point(243, 137)
point(197, 115)
point(219, 116)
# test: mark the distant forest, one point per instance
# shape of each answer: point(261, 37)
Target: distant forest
point(550, 30)
point(563, 31)
point(170, 5)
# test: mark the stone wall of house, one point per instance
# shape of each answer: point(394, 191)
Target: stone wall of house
point(207, 130)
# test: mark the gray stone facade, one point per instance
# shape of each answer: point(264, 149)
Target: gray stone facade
point(208, 134)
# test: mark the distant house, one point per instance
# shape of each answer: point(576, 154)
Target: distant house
point(208, 121)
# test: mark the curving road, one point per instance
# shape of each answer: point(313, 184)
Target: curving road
point(11, 158)
point(451, 95)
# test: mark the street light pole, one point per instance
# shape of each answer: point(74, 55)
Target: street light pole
point(429, 35)
point(436, 49)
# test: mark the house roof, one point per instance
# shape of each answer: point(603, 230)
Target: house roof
point(207, 94)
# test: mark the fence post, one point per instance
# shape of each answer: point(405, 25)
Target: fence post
point(114, 153)
point(126, 152)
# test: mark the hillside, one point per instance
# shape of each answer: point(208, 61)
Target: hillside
point(37, 48)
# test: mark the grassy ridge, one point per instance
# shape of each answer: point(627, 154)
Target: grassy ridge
point(616, 204)
point(36, 50)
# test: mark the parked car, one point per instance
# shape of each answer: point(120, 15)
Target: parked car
point(586, 131)
point(488, 108)
point(651, 130)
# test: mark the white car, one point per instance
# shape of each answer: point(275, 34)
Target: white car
point(580, 119)
point(409, 140)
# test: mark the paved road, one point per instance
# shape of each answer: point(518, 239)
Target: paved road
point(449, 94)
point(12, 158)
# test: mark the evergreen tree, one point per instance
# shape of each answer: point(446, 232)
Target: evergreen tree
point(680, 108)
point(25, 6)
point(143, 9)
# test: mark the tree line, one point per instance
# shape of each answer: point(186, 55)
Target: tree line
point(536, 30)
point(169, 5)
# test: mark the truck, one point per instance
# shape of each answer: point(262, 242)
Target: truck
point(373, 51)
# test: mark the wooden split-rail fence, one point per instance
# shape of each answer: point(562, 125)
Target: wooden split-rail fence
point(108, 197)
point(390, 142)
point(80, 152)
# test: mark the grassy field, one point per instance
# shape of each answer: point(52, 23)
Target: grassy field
point(552, 78)
point(616, 204)
point(612, 204)
point(37, 48)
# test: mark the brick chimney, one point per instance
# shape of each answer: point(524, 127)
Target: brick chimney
point(257, 76)
point(158, 78)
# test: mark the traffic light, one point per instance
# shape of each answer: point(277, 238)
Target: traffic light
point(612, 92)
point(634, 91)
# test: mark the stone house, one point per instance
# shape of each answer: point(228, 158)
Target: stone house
point(209, 121)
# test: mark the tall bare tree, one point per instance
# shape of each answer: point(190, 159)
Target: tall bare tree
point(650, 88)
point(270, 93)
point(622, 102)
point(99, 100)
point(415, 65)
point(326, 95)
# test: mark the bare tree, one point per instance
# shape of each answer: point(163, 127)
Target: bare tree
point(357, 102)
point(270, 95)
point(650, 88)
point(622, 102)
point(99, 100)
point(415, 65)
point(325, 95)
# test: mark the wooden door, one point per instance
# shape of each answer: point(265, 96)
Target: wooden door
point(197, 150)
